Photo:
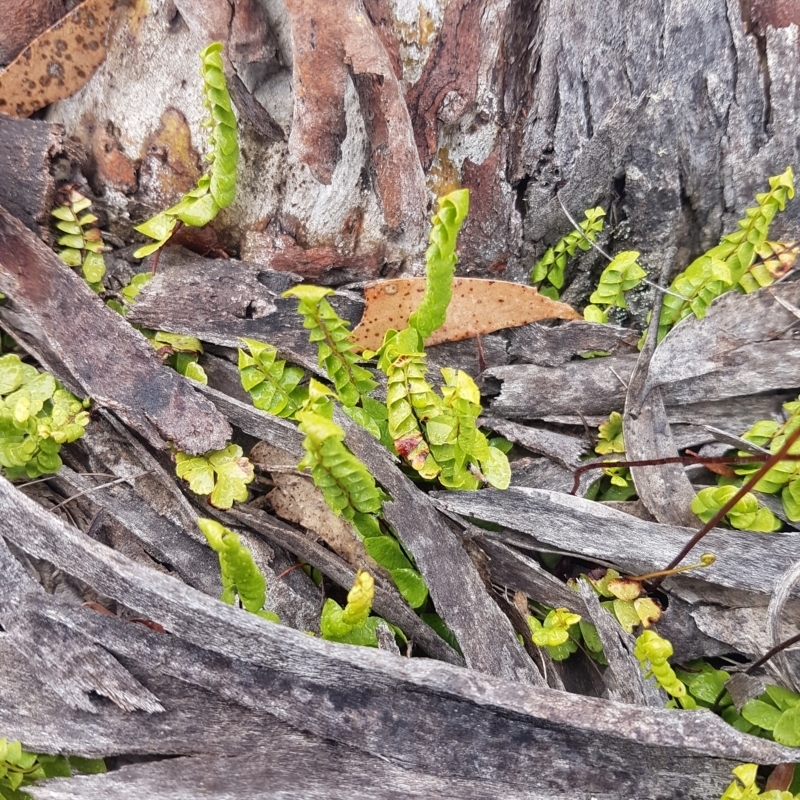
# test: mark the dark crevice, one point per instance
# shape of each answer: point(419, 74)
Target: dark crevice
point(616, 203)
point(752, 28)
point(520, 200)
point(587, 107)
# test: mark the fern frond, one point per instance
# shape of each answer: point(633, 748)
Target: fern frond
point(654, 650)
point(241, 577)
point(272, 385)
point(80, 241)
point(440, 259)
point(552, 264)
point(216, 189)
point(723, 267)
point(334, 349)
point(346, 484)
point(620, 276)
point(410, 400)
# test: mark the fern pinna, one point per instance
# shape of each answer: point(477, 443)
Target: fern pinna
point(216, 189)
point(551, 265)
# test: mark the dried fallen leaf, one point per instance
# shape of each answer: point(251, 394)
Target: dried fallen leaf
point(478, 306)
point(58, 62)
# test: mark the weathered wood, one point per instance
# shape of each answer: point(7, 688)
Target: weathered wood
point(222, 300)
point(664, 489)
point(574, 525)
point(72, 329)
point(550, 346)
point(220, 653)
point(484, 633)
point(388, 603)
point(735, 328)
point(458, 594)
point(27, 187)
point(562, 448)
point(597, 387)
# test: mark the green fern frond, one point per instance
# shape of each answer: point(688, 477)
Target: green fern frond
point(37, 416)
point(654, 650)
point(440, 259)
point(723, 267)
point(334, 348)
point(216, 189)
point(241, 577)
point(272, 385)
point(81, 243)
point(620, 276)
point(552, 264)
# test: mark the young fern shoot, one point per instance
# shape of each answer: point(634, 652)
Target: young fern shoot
point(241, 577)
point(353, 623)
point(217, 188)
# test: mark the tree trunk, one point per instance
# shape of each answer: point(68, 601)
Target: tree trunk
point(669, 114)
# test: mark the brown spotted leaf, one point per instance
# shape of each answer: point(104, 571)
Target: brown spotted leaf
point(58, 62)
point(478, 306)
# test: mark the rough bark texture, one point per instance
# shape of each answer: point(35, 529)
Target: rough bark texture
point(670, 114)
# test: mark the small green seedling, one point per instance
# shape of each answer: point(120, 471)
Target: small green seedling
point(221, 474)
point(241, 577)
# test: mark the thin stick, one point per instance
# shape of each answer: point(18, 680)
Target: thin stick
point(101, 486)
point(755, 458)
point(772, 652)
point(602, 252)
point(748, 485)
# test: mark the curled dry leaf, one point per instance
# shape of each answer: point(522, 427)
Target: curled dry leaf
point(478, 306)
point(58, 62)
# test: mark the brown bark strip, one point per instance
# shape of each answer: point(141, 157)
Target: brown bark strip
point(27, 188)
point(94, 351)
point(450, 75)
point(327, 39)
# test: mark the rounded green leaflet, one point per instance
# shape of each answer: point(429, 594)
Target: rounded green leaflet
point(787, 728)
point(411, 585)
point(764, 715)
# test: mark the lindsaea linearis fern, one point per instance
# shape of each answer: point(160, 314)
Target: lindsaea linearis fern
point(440, 261)
point(437, 436)
point(216, 189)
point(725, 266)
point(353, 623)
point(80, 241)
point(351, 492)
point(620, 276)
point(241, 577)
point(551, 265)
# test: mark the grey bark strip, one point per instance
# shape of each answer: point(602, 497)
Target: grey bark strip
point(312, 686)
point(664, 489)
point(744, 560)
point(484, 633)
point(73, 329)
point(388, 603)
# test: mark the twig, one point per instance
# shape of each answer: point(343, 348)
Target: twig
point(755, 458)
point(101, 486)
point(748, 485)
